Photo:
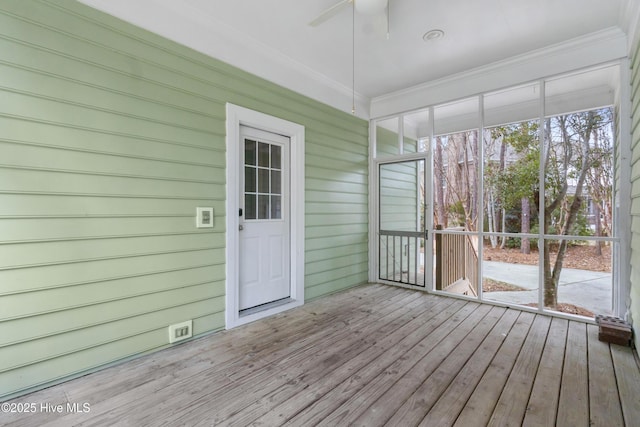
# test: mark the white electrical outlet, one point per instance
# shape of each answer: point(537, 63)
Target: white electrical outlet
point(204, 217)
point(180, 331)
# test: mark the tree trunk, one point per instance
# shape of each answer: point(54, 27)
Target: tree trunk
point(466, 181)
point(550, 286)
point(525, 225)
point(439, 180)
point(552, 277)
point(503, 242)
point(475, 142)
point(491, 219)
point(598, 231)
point(501, 167)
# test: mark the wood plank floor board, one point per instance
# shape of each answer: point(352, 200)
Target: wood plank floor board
point(229, 351)
point(573, 404)
point(511, 406)
point(451, 401)
point(372, 355)
point(309, 366)
point(482, 402)
point(543, 403)
point(349, 341)
point(286, 400)
point(245, 367)
point(412, 396)
point(604, 402)
point(435, 352)
point(257, 337)
point(628, 380)
point(422, 339)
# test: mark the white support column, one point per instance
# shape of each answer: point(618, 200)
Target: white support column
point(373, 204)
point(428, 192)
point(541, 230)
point(622, 202)
point(480, 178)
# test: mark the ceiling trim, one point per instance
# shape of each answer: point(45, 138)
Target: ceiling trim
point(596, 48)
point(225, 43)
point(219, 40)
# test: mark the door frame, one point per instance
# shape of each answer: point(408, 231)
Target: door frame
point(374, 217)
point(237, 116)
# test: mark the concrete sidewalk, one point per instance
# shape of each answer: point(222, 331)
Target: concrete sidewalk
point(588, 289)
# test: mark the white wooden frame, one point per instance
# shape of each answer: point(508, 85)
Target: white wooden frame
point(621, 271)
point(237, 116)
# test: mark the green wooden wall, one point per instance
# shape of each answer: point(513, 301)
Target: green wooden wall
point(635, 189)
point(109, 138)
point(398, 184)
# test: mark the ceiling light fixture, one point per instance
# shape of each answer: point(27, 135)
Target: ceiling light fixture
point(433, 35)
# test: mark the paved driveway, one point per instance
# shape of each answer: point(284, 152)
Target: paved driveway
point(588, 289)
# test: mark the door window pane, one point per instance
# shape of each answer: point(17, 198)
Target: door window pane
point(249, 152)
point(250, 206)
point(263, 207)
point(276, 157)
point(263, 175)
point(275, 182)
point(249, 179)
point(276, 207)
point(263, 154)
point(263, 180)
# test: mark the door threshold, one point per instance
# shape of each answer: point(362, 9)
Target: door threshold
point(263, 307)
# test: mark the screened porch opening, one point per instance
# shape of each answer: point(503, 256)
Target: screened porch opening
point(507, 196)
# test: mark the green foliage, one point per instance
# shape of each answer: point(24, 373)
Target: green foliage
point(519, 179)
point(580, 227)
point(457, 214)
point(512, 243)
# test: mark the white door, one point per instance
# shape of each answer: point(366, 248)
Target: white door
point(264, 223)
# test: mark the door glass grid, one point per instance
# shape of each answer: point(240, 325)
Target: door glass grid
point(262, 180)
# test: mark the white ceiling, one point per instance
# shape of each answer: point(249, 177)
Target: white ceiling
point(272, 38)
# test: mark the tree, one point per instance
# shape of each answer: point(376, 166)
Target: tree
point(600, 178)
point(439, 179)
point(517, 182)
point(495, 146)
point(455, 160)
point(569, 159)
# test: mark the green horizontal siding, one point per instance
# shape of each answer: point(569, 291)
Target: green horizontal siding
point(398, 186)
point(110, 137)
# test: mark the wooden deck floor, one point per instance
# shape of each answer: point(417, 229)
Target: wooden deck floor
point(374, 355)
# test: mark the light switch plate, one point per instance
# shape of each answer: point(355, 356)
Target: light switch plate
point(204, 217)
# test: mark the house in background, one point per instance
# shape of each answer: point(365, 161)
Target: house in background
point(129, 208)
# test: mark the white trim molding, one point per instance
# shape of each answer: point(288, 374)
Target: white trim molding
point(237, 116)
point(225, 43)
point(623, 198)
point(596, 48)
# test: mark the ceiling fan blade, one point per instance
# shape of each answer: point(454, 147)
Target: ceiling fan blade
point(330, 13)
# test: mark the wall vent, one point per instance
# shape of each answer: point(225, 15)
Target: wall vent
point(180, 331)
